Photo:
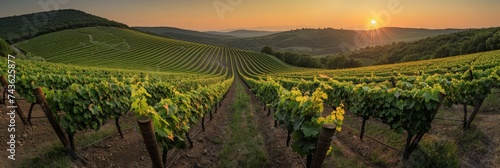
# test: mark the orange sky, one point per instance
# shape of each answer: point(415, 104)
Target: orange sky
point(281, 14)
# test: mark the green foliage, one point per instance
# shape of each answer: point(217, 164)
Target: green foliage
point(267, 50)
point(89, 97)
point(408, 103)
point(300, 113)
point(301, 60)
point(5, 49)
point(172, 115)
point(340, 62)
point(304, 60)
point(89, 106)
point(459, 43)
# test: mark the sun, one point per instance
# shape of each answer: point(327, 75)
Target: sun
point(374, 22)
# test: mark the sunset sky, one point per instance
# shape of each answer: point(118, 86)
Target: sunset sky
point(205, 15)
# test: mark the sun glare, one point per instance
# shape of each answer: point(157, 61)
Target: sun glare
point(374, 22)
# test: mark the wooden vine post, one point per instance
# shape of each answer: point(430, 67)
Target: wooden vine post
point(323, 144)
point(19, 111)
point(40, 98)
point(149, 136)
point(3, 93)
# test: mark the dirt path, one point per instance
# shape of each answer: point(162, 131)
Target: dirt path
point(274, 138)
point(490, 127)
point(209, 144)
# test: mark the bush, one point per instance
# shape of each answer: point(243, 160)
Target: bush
point(5, 49)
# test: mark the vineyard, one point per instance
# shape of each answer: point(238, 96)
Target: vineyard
point(94, 76)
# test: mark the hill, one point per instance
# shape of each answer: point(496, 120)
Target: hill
point(328, 41)
point(306, 41)
point(185, 35)
point(113, 47)
point(244, 33)
point(18, 28)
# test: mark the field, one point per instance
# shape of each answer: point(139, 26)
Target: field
point(214, 106)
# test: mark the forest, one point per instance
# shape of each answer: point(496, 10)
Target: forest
point(459, 43)
point(18, 28)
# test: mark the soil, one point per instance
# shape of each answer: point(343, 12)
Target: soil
point(30, 141)
point(210, 142)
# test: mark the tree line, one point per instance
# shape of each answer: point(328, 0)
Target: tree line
point(14, 29)
point(459, 43)
point(5, 49)
point(304, 60)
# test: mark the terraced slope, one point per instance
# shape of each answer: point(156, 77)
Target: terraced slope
point(128, 49)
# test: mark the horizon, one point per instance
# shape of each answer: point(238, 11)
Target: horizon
point(223, 16)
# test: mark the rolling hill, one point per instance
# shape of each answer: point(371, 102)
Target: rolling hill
point(244, 33)
point(185, 35)
point(458, 43)
point(113, 47)
point(18, 28)
point(328, 41)
point(308, 41)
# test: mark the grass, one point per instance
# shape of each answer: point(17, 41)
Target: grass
point(378, 155)
point(338, 159)
point(245, 148)
point(491, 104)
point(472, 140)
point(54, 156)
point(435, 153)
point(88, 139)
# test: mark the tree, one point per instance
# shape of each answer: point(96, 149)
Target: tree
point(5, 49)
point(336, 62)
point(267, 50)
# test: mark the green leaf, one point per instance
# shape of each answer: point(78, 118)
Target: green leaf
point(310, 129)
point(397, 94)
point(427, 96)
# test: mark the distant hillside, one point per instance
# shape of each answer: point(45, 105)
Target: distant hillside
point(410, 34)
point(328, 41)
point(186, 35)
point(310, 41)
point(459, 43)
point(18, 28)
point(307, 41)
point(244, 33)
